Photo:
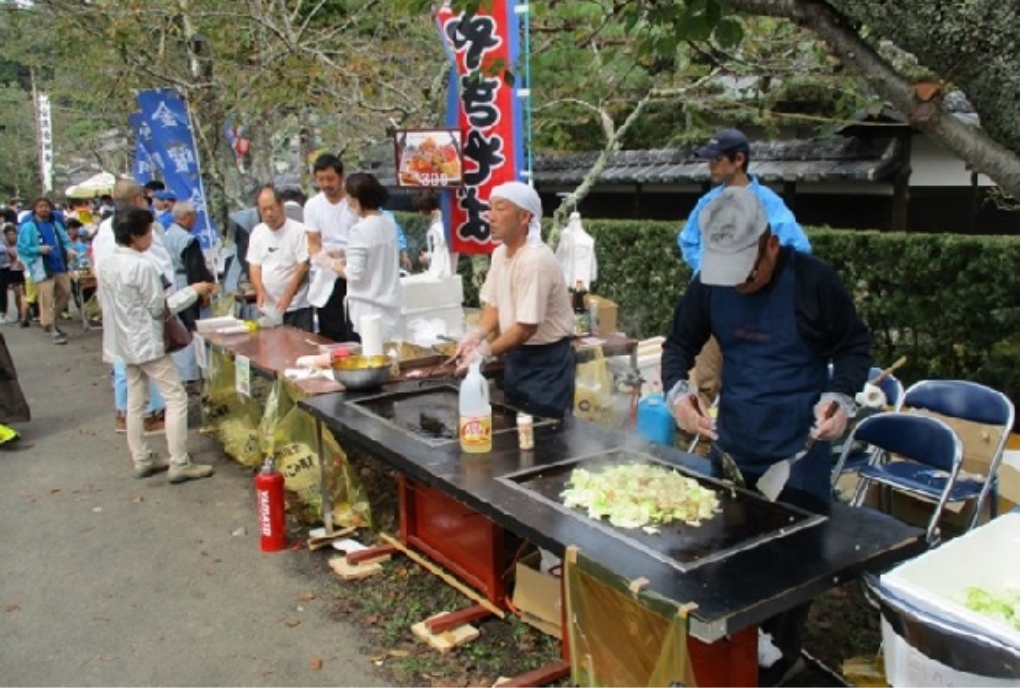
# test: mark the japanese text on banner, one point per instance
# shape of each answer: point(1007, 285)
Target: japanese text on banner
point(165, 133)
point(483, 104)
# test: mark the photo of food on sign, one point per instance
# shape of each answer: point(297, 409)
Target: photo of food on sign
point(428, 158)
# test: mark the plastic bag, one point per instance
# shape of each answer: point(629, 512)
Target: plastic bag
point(296, 457)
point(593, 390)
point(238, 431)
point(279, 403)
point(220, 388)
point(222, 306)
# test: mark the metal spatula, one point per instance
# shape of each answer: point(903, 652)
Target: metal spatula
point(730, 469)
point(772, 482)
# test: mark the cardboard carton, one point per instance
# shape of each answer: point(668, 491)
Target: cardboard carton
point(606, 323)
point(538, 597)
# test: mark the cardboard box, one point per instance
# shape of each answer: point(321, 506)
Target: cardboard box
point(538, 597)
point(606, 323)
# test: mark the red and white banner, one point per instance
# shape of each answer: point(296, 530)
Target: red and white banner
point(483, 104)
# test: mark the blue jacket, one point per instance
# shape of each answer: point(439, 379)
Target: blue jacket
point(781, 220)
point(29, 247)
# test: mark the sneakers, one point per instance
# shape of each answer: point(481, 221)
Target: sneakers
point(189, 471)
point(155, 423)
point(151, 466)
point(120, 424)
point(25, 322)
point(58, 337)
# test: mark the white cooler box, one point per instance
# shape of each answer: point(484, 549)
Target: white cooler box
point(936, 583)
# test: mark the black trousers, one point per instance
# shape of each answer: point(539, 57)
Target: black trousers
point(333, 322)
point(5, 279)
point(301, 319)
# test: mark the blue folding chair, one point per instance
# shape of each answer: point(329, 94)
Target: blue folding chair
point(976, 403)
point(892, 388)
point(928, 458)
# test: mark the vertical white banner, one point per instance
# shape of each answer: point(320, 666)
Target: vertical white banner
point(45, 129)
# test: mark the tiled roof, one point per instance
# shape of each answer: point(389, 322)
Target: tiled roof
point(832, 159)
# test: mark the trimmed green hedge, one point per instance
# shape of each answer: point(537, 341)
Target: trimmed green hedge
point(950, 303)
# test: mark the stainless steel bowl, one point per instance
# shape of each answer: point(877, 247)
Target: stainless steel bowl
point(360, 373)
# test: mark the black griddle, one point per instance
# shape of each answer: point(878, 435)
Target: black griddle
point(745, 520)
point(431, 414)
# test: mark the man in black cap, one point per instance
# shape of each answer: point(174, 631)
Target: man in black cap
point(728, 154)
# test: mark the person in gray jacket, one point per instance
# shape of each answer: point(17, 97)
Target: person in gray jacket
point(134, 304)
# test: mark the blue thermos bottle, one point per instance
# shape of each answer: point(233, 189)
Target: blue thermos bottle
point(654, 420)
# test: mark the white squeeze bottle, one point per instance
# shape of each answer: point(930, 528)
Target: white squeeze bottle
point(475, 412)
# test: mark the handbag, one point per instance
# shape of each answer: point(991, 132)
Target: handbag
point(175, 334)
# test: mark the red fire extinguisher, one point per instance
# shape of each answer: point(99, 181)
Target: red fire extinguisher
point(269, 502)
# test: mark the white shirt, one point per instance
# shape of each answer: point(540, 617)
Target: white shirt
point(333, 221)
point(279, 253)
point(105, 244)
point(373, 273)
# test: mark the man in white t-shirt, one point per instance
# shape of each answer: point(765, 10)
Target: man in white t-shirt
point(278, 262)
point(526, 300)
point(328, 220)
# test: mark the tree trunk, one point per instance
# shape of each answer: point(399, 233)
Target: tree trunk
point(969, 142)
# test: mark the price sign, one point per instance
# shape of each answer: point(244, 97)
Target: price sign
point(242, 375)
point(429, 158)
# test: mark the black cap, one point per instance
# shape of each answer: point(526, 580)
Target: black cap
point(725, 141)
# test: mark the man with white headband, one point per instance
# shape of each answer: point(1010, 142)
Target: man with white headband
point(525, 299)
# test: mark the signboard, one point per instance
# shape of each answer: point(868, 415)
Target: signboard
point(428, 158)
point(484, 106)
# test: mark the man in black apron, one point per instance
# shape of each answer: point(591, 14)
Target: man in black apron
point(525, 299)
point(780, 318)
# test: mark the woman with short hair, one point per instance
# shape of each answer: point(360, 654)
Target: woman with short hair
point(134, 306)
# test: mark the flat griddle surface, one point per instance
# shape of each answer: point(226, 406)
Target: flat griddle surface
point(746, 519)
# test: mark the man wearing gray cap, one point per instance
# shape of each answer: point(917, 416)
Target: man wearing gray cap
point(780, 318)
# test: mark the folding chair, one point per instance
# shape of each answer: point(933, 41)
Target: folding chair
point(974, 403)
point(929, 455)
point(892, 388)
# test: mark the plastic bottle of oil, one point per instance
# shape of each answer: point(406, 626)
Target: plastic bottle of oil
point(475, 412)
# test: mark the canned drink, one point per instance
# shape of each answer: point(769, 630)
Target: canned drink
point(525, 431)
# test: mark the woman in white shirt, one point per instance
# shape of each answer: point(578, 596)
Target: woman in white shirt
point(372, 266)
point(134, 304)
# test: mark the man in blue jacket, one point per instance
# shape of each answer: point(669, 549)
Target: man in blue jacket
point(45, 249)
point(728, 154)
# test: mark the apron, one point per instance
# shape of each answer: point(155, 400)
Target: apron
point(540, 378)
point(771, 381)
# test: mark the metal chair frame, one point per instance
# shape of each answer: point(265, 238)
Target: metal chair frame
point(944, 397)
point(914, 437)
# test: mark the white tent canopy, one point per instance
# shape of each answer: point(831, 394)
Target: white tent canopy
point(93, 187)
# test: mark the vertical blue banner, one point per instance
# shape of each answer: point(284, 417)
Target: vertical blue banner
point(171, 146)
point(142, 170)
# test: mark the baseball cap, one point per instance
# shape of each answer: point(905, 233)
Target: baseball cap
point(725, 141)
point(731, 225)
point(165, 195)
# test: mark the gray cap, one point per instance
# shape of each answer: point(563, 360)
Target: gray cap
point(731, 226)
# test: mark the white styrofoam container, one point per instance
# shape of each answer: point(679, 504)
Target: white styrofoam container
point(987, 557)
point(907, 666)
point(207, 325)
point(417, 294)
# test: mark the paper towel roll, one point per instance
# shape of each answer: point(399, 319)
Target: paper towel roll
point(871, 397)
point(370, 329)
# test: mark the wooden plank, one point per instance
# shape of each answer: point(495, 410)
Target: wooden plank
point(443, 575)
point(381, 553)
point(450, 620)
point(447, 640)
point(542, 676)
point(354, 572)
